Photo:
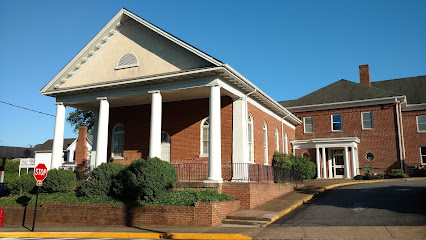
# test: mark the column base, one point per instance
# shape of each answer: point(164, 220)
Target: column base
point(240, 180)
point(213, 181)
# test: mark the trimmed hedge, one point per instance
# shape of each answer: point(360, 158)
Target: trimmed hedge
point(298, 163)
point(396, 173)
point(59, 180)
point(100, 180)
point(189, 198)
point(144, 180)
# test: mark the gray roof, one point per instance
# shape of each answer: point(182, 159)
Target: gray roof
point(16, 152)
point(48, 145)
point(340, 91)
point(414, 88)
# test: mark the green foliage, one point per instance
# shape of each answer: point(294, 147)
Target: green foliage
point(80, 118)
point(11, 170)
point(358, 177)
point(188, 198)
point(100, 180)
point(298, 163)
point(144, 180)
point(397, 173)
point(369, 176)
point(23, 184)
point(59, 180)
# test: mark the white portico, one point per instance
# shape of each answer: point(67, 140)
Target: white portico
point(332, 156)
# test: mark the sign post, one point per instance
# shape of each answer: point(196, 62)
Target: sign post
point(40, 173)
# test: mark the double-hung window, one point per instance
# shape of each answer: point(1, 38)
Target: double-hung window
point(336, 122)
point(118, 141)
point(204, 144)
point(367, 120)
point(423, 155)
point(308, 123)
point(421, 123)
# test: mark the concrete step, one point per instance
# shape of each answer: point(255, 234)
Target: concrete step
point(244, 222)
point(248, 218)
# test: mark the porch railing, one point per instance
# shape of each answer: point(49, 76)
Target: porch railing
point(239, 172)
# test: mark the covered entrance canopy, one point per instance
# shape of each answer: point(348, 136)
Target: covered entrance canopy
point(333, 159)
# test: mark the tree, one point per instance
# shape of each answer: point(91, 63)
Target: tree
point(80, 118)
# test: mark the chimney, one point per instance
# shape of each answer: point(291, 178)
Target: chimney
point(364, 75)
point(81, 150)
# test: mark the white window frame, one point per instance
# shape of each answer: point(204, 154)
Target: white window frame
point(421, 156)
point(202, 127)
point(265, 144)
point(372, 121)
point(277, 140)
point(417, 121)
point(341, 123)
point(286, 143)
point(304, 124)
point(113, 155)
point(250, 137)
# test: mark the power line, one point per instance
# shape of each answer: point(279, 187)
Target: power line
point(27, 109)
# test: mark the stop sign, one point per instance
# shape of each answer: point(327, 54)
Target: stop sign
point(40, 172)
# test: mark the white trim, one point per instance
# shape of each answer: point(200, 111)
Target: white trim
point(277, 139)
point(346, 104)
point(286, 143)
point(202, 153)
point(128, 65)
point(414, 107)
point(250, 127)
point(421, 156)
point(267, 111)
point(417, 123)
point(398, 124)
point(362, 120)
point(265, 143)
point(304, 125)
point(341, 123)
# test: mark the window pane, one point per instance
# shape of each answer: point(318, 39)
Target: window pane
point(337, 118)
point(309, 128)
point(424, 159)
point(337, 126)
point(367, 120)
point(421, 122)
point(308, 120)
point(309, 124)
point(423, 150)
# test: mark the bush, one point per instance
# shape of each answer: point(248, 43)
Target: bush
point(11, 170)
point(21, 185)
point(144, 180)
point(397, 173)
point(189, 198)
point(301, 164)
point(59, 180)
point(100, 180)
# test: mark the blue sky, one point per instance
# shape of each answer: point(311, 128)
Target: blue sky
point(287, 48)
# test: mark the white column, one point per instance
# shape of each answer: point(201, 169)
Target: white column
point(95, 139)
point(58, 137)
point(354, 167)
point(240, 156)
point(215, 159)
point(356, 161)
point(330, 167)
point(155, 126)
point(102, 138)
point(324, 165)
point(347, 166)
point(318, 164)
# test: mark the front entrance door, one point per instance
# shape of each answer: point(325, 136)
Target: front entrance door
point(165, 147)
point(338, 163)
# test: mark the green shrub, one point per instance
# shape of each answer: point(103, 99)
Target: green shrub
point(23, 184)
point(59, 180)
point(144, 180)
point(189, 198)
point(11, 170)
point(358, 177)
point(397, 173)
point(301, 164)
point(100, 180)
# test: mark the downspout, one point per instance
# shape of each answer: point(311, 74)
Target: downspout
point(397, 108)
point(402, 135)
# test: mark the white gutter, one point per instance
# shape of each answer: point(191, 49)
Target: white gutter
point(397, 109)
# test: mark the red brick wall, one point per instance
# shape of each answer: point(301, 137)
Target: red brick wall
point(382, 141)
point(413, 140)
point(259, 117)
point(251, 195)
point(78, 214)
point(81, 150)
point(181, 120)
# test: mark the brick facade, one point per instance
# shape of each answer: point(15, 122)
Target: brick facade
point(382, 141)
point(413, 139)
point(81, 149)
point(79, 214)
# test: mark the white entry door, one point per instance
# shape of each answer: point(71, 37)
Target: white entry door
point(165, 147)
point(338, 163)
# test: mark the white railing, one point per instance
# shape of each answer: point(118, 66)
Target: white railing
point(27, 162)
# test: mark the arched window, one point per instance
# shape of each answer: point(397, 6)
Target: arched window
point(286, 142)
point(265, 143)
point(204, 137)
point(277, 140)
point(250, 138)
point(117, 141)
point(128, 60)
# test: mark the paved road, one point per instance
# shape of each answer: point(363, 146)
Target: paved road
point(374, 204)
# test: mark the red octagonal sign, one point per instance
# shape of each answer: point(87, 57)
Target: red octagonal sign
point(40, 172)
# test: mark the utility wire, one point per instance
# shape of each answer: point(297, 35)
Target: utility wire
point(27, 109)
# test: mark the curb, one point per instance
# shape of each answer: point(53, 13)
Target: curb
point(309, 197)
point(93, 235)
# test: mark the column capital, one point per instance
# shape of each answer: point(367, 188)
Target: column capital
point(59, 103)
point(154, 91)
point(214, 83)
point(101, 98)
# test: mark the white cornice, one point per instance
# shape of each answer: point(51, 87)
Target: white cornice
point(414, 107)
point(347, 104)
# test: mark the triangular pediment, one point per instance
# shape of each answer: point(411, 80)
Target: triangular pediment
point(156, 52)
